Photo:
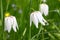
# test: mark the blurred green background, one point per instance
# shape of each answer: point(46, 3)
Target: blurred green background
point(22, 9)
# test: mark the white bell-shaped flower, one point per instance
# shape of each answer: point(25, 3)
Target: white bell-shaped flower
point(10, 22)
point(44, 9)
point(36, 17)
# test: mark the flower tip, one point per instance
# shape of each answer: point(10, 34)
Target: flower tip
point(37, 27)
point(47, 24)
point(46, 14)
point(7, 14)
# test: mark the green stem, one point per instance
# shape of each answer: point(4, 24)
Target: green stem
point(7, 5)
point(1, 11)
point(42, 35)
point(30, 33)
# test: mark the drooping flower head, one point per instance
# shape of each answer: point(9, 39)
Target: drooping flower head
point(44, 9)
point(36, 17)
point(10, 22)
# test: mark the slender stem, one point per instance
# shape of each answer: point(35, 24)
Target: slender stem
point(42, 35)
point(30, 34)
point(1, 11)
point(30, 4)
point(7, 5)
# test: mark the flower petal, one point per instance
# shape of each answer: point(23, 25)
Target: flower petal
point(40, 18)
point(33, 19)
point(10, 22)
point(44, 9)
point(7, 24)
point(15, 25)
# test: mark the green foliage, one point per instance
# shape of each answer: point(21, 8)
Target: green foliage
point(50, 32)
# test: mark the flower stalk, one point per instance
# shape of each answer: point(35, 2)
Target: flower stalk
point(1, 11)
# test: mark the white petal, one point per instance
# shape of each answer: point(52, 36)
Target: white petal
point(44, 9)
point(34, 19)
point(10, 22)
point(14, 28)
point(40, 18)
point(45, 21)
point(7, 24)
point(15, 25)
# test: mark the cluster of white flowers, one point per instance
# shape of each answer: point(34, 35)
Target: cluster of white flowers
point(37, 17)
point(10, 22)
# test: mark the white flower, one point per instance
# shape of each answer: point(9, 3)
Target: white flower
point(37, 17)
point(10, 22)
point(44, 9)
